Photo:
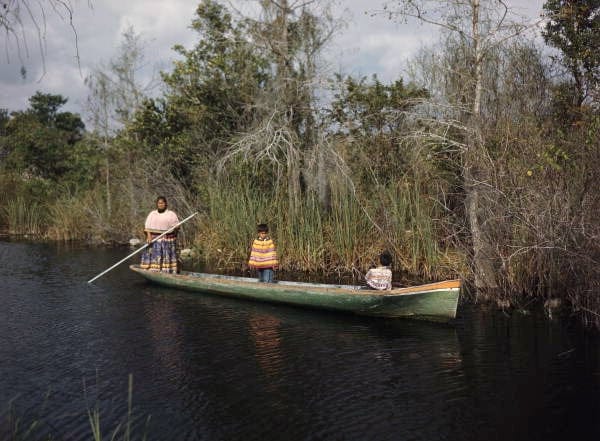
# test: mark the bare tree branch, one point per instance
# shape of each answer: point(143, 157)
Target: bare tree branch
point(18, 15)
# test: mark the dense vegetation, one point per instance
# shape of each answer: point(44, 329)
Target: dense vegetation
point(484, 163)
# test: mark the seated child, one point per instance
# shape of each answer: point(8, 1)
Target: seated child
point(380, 278)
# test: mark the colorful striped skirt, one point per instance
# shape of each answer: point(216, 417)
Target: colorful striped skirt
point(161, 255)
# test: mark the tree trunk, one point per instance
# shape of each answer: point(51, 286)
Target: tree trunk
point(477, 199)
point(476, 177)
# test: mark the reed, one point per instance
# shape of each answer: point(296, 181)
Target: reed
point(69, 220)
point(301, 234)
point(123, 430)
point(233, 211)
point(409, 222)
point(301, 237)
point(85, 216)
point(92, 215)
point(347, 238)
point(24, 216)
point(9, 182)
point(17, 427)
point(348, 230)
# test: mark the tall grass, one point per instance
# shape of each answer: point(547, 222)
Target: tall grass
point(123, 430)
point(15, 426)
point(307, 238)
point(350, 234)
point(346, 239)
point(69, 220)
point(87, 215)
point(233, 211)
point(35, 426)
point(24, 216)
point(410, 220)
point(301, 238)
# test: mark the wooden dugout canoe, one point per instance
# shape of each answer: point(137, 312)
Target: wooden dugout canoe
point(433, 301)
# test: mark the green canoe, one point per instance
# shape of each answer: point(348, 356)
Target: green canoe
point(434, 301)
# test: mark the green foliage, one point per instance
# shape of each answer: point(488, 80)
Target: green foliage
point(84, 159)
point(555, 157)
point(4, 118)
point(210, 92)
point(573, 28)
point(366, 108)
point(164, 131)
point(45, 107)
point(372, 116)
point(40, 142)
point(210, 95)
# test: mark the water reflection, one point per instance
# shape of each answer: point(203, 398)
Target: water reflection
point(264, 330)
point(167, 334)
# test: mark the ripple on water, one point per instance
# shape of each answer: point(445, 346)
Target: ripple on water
point(211, 368)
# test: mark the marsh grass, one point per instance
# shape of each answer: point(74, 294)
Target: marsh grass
point(349, 231)
point(301, 237)
point(68, 219)
point(24, 216)
point(411, 223)
point(123, 430)
point(91, 214)
point(233, 212)
point(17, 427)
point(302, 234)
point(345, 240)
point(29, 425)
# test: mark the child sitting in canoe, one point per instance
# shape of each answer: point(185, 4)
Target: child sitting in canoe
point(263, 255)
point(380, 278)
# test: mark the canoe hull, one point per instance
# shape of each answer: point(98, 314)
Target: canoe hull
point(436, 302)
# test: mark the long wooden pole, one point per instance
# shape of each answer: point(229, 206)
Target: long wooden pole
point(145, 246)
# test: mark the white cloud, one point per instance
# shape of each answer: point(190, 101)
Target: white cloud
point(369, 44)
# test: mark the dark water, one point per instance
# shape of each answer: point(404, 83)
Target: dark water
point(208, 368)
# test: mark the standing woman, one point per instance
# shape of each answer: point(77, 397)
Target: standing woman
point(162, 254)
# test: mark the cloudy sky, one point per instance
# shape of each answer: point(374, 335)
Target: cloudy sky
point(368, 44)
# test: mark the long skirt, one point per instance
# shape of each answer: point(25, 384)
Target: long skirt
point(161, 256)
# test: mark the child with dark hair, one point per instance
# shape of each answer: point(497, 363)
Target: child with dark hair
point(263, 255)
point(380, 278)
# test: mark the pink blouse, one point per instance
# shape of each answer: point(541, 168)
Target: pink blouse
point(160, 222)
